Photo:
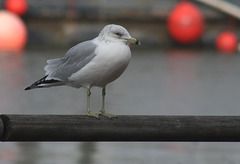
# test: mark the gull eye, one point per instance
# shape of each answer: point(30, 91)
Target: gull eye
point(118, 34)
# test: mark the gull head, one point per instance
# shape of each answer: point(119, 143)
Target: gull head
point(117, 33)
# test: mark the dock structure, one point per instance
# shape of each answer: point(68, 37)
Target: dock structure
point(123, 128)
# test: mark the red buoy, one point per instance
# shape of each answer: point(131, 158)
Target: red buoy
point(226, 42)
point(18, 7)
point(13, 32)
point(185, 22)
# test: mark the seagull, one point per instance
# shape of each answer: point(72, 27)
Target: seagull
point(95, 62)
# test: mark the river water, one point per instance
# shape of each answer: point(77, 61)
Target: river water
point(172, 82)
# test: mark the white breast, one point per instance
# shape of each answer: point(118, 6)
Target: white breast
point(110, 62)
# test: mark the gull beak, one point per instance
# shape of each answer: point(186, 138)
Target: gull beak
point(133, 40)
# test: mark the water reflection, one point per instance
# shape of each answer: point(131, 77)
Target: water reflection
point(11, 70)
point(182, 68)
point(11, 79)
point(156, 83)
point(29, 153)
point(88, 150)
point(8, 153)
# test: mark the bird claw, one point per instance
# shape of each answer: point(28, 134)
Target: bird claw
point(90, 114)
point(108, 115)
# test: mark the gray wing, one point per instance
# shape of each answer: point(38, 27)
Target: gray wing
point(75, 59)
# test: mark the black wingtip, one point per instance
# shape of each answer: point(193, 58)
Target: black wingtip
point(28, 88)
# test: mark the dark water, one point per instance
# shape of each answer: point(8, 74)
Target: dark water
point(156, 83)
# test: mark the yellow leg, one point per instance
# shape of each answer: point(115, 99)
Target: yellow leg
point(89, 113)
point(102, 111)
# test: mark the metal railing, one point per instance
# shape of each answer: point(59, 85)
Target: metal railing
point(122, 128)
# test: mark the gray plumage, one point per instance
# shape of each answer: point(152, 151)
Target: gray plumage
point(58, 70)
point(75, 59)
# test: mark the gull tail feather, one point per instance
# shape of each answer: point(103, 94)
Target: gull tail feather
point(44, 82)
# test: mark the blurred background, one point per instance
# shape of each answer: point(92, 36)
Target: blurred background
point(188, 64)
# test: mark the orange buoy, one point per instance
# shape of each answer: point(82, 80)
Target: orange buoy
point(13, 32)
point(185, 23)
point(18, 7)
point(226, 42)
